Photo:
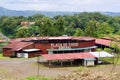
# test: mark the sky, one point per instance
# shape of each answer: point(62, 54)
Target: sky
point(63, 5)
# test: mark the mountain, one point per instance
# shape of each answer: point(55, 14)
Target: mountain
point(7, 12)
point(112, 13)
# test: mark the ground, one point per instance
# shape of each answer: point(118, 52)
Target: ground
point(18, 69)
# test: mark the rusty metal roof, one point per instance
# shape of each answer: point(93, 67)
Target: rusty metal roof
point(16, 46)
point(67, 56)
point(103, 42)
point(53, 38)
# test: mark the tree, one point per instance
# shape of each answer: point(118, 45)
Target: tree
point(91, 29)
point(59, 26)
point(33, 31)
point(22, 32)
point(45, 26)
point(104, 29)
point(9, 26)
point(79, 32)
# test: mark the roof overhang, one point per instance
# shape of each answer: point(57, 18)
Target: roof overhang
point(71, 49)
point(31, 50)
point(102, 54)
point(67, 56)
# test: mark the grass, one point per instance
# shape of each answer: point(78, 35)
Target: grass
point(2, 57)
point(37, 78)
point(111, 60)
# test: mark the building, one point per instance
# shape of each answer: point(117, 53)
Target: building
point(50, 45)
point(26, 23)
point(62, 48)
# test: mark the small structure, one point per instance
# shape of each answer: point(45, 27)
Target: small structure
point(26, 23)
point(14, 49)
point(103, 43)
point(101, 54)
point(28, 53)
point(85, 56)
point(89, 61)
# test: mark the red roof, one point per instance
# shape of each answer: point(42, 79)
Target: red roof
point(68, 56)
point(16, 46)
point(53, 38)
point(103, 42)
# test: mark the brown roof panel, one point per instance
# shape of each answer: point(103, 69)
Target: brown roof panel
point(103, 42)
point(16, 46)
point(52, 38)
point(68, 56)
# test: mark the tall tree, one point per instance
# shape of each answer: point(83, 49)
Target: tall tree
point(22, 32)
point(91, 29)
point(79, 32)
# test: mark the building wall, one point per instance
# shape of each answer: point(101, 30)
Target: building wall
point(46, 46)
point(8, 52)
point(34, 54)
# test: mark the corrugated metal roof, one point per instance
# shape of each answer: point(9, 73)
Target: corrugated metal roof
point(102, 54)
point(52, 38)
point(103, 42)
point(30, 50)
point(16, 46)
point(68, 56)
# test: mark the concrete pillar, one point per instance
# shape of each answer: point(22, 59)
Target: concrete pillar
point(61, 63)
point(49, 63)
point(71, 63)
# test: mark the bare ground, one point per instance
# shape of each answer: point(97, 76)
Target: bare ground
point(17, 69)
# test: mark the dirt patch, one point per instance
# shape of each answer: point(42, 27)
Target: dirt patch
point(19, 69)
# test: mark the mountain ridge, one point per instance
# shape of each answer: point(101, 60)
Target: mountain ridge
point(26, 13)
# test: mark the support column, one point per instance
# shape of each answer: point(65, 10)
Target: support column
point(61, 63)
point(71, 63)
point(49, 63)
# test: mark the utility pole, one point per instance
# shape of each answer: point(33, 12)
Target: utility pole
point(38, 66)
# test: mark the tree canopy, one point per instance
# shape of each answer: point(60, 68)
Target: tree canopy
point(92, 24)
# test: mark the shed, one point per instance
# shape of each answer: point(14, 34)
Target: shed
point(89, 61)
point(12, 49)
point(69, 56)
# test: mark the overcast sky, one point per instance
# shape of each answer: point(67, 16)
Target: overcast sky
point(63, 5)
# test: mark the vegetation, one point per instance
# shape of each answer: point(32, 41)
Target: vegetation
point(82, 24)
point(37, 78)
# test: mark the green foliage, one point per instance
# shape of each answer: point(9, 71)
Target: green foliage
point(79, 32)
point(22, 32)
point(37, 78)
point(82, 24)
point(108, 50)
point(91, 29)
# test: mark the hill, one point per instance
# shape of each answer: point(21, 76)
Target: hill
point(7, 12)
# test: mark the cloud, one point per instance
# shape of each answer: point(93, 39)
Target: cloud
point(62, 5)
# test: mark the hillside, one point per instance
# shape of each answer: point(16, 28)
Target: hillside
point(7, 12)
